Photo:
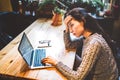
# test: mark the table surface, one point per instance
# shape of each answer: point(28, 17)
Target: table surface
point(11, 62)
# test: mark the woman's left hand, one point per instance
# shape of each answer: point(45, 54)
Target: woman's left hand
point(67, 21)
point(50, 60)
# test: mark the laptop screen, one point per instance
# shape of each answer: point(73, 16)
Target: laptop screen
point(25, 48)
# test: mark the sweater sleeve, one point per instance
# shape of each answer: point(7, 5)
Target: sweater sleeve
point(71, 44)
point(88, 60)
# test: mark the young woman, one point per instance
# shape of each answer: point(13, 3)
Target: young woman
point(97, 60)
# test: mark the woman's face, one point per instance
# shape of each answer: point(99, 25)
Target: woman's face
point(76, 27)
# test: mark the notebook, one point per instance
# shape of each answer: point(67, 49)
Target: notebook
point(31, 56)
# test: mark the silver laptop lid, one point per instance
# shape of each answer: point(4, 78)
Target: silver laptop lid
point(26, 50)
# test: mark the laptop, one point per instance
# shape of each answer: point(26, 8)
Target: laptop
point(31, 56)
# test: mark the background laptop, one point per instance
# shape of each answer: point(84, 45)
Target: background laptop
point(31, 56)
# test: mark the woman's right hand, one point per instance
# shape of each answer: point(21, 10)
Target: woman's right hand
point(67, 21)
point(50, 60)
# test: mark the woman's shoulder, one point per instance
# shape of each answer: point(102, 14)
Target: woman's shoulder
point(94, 37)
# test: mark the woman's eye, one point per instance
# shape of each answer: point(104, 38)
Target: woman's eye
point(71, 25)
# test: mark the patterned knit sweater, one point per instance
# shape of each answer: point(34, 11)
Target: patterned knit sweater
point(97, 60)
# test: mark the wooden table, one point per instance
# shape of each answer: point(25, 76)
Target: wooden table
point(11, 62)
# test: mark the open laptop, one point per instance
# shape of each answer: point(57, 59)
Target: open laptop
point(31, 56)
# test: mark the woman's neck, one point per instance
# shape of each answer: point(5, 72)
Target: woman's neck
point(87, 33)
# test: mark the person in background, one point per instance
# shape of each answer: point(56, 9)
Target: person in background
point(97, 57)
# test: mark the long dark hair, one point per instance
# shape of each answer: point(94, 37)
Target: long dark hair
point(80, 14)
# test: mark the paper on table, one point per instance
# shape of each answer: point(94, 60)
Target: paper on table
point(44, 43)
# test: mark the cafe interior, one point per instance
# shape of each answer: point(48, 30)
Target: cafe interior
point(17, 15)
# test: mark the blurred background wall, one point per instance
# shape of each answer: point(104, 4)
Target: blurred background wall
point(5, 5)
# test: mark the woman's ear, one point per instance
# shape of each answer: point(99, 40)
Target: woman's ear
point(82, 23)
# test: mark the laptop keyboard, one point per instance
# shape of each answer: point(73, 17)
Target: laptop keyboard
point(39, 55)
